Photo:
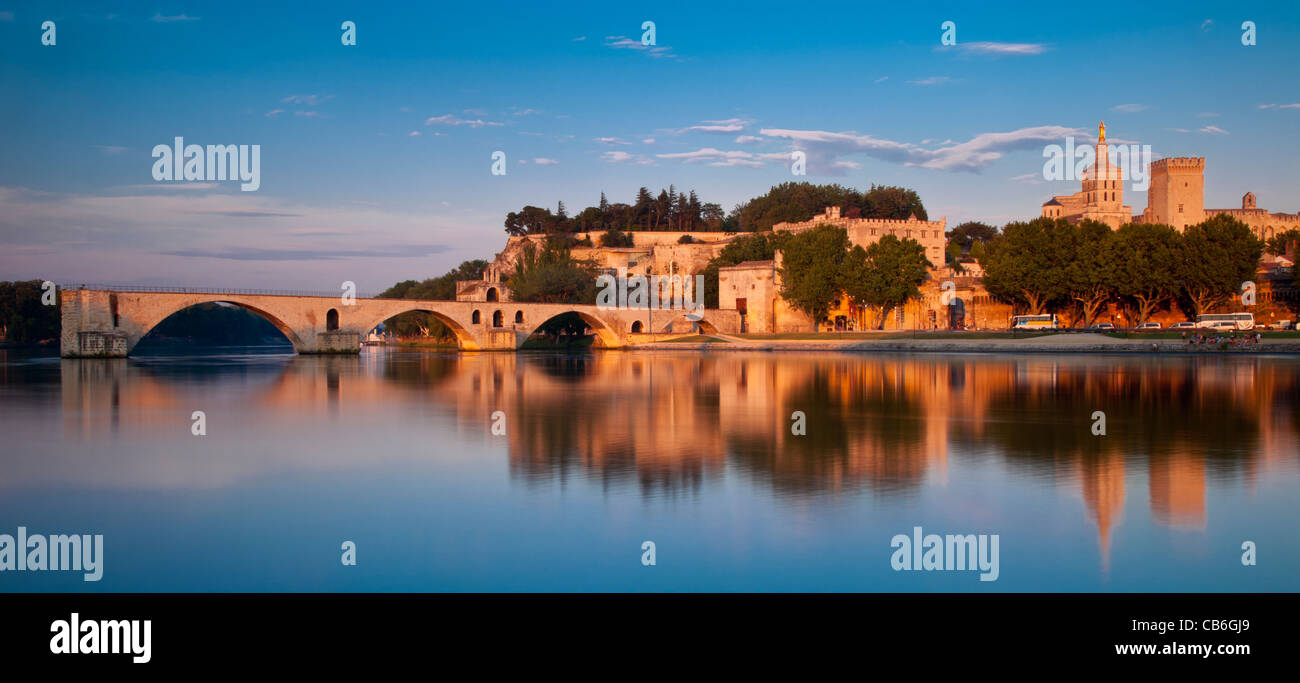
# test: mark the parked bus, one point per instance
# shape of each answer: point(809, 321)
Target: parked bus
point(1240, 321)
point(1034, 322)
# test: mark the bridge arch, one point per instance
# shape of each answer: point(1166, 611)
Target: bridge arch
point(609, 337)
point(148, 325)
point(465, 340)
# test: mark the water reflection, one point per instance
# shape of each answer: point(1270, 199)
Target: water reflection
point(669, 426)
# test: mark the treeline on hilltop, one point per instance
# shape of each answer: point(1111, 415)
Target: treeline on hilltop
point(1053, 265)
point(671, 210)
point(23, 318)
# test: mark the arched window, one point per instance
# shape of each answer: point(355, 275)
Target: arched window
point(492, 294)
point(519, 317)
point(497, 319)
point(332, 320)
point(475, 318)
point(636, 327)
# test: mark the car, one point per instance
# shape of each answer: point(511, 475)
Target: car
point(1283, 325)
point(1149, 326)
point(1103, 326)
point(1185, 325)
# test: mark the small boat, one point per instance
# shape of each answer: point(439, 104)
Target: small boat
point(373, 340)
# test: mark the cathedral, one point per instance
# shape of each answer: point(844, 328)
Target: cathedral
point(1176, 197)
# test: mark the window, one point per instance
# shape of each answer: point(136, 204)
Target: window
point(497, 319)
point(475, 318)
point(636, 327)
point(519, 317)
point(1180, 208)
point(332, 320)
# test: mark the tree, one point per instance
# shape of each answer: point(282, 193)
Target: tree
point(796, 202)
point(23, 318)
point(1091, 272)
point(885, 275)
point(552, 275)
point(1148, 257)
point(970, 232)
point(441, 288)
point(1284, 243)
point(1028, 263)
point(616, 238)
point(812, 269)
point(1218, 255)
point(760, 246)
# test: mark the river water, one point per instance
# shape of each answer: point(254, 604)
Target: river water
point(549, 471)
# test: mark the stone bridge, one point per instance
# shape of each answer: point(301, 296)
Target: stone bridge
point(102, 322)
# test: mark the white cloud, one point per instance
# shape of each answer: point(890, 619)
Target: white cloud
point(414, 133)
point(621, 157)
point(611, 141)
point(543, 161)
point(527, 112)
point(1280, 106)
point(309, 100)
point(1130, 108)
point(158, 17)
point(824, 147)
point(1214, 130)
point(997, 49)
point(932, 80)
point(1205, 25)
point(273, 113)
point(648, 141)
point(625, 43)
point(579, 39)
point(1028, 179)
point(882, 79)
point(748, 139)
point(453, 120)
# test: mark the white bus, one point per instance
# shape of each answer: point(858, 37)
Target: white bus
point(1240, 321)
point(1034, 322)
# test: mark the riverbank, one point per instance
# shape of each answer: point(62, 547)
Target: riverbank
point(1052, 343)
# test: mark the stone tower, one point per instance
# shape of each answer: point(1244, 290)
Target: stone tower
point(1103, 185)
point(1248, 201)
point(1177, 194)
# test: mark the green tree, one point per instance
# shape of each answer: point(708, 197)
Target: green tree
point(1284, 243)
point(616, 238)
point(970, 232)
point(1218, 255)
point(885, 275)
point(812, 269)
point(23, 318)
point(1028, 264)
point(1091, 273)
point(1147, 257)
point(552, 275)
point(756, 247)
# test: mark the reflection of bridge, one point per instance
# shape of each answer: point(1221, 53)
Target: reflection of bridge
point(110, 322)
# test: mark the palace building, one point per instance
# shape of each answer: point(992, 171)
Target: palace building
point(1176, 197)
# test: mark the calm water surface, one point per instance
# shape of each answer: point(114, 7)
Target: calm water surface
point(394, 451)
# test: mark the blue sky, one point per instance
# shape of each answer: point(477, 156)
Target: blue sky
point(376, 158)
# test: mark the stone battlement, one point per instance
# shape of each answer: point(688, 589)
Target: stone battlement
point(1179, 164)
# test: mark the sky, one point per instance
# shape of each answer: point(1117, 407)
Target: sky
point(376, 158)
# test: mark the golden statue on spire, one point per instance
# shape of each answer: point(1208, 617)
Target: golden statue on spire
point(1101, 133)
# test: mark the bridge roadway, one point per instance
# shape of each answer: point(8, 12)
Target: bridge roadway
point(109, 322)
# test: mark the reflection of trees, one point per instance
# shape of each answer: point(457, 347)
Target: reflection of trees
point(1044, 419)
point(863, 427)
